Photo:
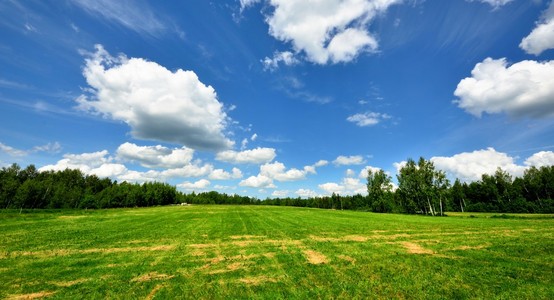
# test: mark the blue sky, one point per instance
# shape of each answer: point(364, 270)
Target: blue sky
point(276, 98)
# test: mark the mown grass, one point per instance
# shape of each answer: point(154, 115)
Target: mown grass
point(272, 252)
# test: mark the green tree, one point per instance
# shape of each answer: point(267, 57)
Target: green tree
point(379, 186)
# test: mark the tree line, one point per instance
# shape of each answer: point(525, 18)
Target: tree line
point(29, 189)
point(421, 189)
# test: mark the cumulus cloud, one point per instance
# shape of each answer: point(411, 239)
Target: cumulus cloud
point(259, 181)
point(321, 163)
point(331, 31)
point(155, 156)
point(156, 103)
point(349, 185)
point(541, 159)
point(469, 166)
point(363, 172)
point(94, 163)
point(332, 187)
point(108, 170)
point(278, 172)
point(349, 160)
point(306, 193)
point(367, 119)
point(280, 193)
point(197, 185)
point(101, 164)
point(542, 36)
point(286, 57)
point(525, 88)
point(220, 174)
point(253, 156)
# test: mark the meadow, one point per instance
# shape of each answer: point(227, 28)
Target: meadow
point(212, 252)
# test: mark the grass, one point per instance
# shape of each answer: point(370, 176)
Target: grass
point(207, 252)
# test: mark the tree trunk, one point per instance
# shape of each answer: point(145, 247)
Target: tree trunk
point(440, 202)
point(430, 207)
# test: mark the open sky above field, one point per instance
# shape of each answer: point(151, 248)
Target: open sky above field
point(276, 98)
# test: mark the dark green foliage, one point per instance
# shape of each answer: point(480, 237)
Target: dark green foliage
point(29, 189)
point(422, 189)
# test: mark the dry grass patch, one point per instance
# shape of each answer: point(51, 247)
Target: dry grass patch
point(69, 283)
point(355, 238)
point(229, 268)
point(66, 252)
point(257, 280)
point(246, 237)
point(414, 248)
point(315, 258)
point(154, 291)
point(37, 295)
point(151, 276)
point(477, 247)
point(347, 258)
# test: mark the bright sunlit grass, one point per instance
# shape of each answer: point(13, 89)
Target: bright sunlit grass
point(272, 252)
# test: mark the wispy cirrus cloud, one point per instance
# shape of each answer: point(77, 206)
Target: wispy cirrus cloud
point(131, 14)
point(49, 148)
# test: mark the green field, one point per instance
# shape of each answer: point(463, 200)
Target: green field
point(272, 252)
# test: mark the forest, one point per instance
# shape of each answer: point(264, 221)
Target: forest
point(421, 190)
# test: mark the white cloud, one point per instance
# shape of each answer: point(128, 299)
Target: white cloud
point(286, 57)
point(109, 170)
point(191, 170)
point(525, 88)
point(254, 137)
point(541, 159)
point(247, 3)
point(156, 103)
point(368, 118)
point(349, 160)
point(494, 3)
point(348, 186)
point(350, 173)
point(243, 144)
point(220, 174)
point(469, 166)
point(321, 163)
point(399, 166)
point(363, 172)
point(155, 156)
point(280, 193)
point(259, 181)
point(331, 187)
point(49, 148)
point(254, 156)
point(136, 176)
point(94, 163)
point(542, 36)
point(198, 185)
point(12, 151)
point(326, 31)
point(278, 172)
point(135, 15)
point(101, 164)
point(306, 193)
